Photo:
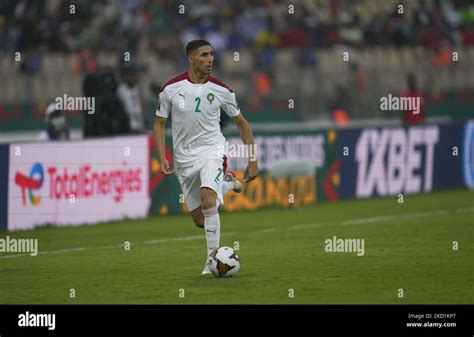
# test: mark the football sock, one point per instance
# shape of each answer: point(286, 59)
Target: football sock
point(227, 186)
point(212, 227)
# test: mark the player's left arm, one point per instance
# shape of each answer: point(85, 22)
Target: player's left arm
point(245, 132)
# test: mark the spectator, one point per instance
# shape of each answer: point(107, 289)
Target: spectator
point(117, 25)
point(86, 62)
point(56, 127)
point(410, 117)
point(129, 96)
point(356, 89)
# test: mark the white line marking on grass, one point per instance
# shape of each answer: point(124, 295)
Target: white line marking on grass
point(182, 238)
point(392, 217)
point(16, 255)
point(266, 230)
point(361, 221)
point(271, 229)
point(464, 210)
point(148, 242)
point(67, 250)
point(312, 225)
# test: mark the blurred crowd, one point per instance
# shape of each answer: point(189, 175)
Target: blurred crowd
point(165, 26)
point(81, 29)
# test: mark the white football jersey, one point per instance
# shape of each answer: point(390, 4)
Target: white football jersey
point(195, 116)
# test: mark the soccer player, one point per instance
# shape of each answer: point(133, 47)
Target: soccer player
point(194, 100)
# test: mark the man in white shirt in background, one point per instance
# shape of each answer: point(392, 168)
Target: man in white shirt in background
point(129, 96)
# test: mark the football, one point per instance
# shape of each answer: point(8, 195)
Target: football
point(224, 262)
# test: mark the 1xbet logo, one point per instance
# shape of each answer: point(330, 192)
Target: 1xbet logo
point(29, 183)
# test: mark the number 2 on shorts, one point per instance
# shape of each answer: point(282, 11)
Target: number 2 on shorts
point(216, 179)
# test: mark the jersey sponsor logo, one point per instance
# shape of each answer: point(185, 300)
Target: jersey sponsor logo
point(392, 161)
point(468, 155)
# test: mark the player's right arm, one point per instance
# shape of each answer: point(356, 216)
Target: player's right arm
point(162, 113)
point(159, 136)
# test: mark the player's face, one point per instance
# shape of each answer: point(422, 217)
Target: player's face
point(203, 59)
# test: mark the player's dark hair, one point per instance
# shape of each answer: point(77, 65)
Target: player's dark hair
point(195, 44)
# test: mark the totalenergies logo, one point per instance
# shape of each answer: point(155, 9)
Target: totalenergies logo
point(84, 182)
point(30, 183)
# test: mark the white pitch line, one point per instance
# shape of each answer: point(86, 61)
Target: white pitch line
point(266, 230)
point(183, 238)
point(358, 221)
point(393, 217)
point(67, 250)
point(78, 249)
point(464, 210)
point(312, 225)
point(16, 255)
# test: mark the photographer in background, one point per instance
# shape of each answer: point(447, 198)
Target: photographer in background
point(56, 126)
point(110, 117)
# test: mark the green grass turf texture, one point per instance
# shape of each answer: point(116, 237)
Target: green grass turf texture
point(409, 246)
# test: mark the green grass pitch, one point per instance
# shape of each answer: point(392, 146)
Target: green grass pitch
point(408, 246)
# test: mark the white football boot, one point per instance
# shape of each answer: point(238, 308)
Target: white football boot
point(231, 176)
point(206, 270)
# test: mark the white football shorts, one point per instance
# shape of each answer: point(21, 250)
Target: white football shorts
point(207, 173)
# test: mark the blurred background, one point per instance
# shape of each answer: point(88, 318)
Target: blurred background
point(266, 54)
